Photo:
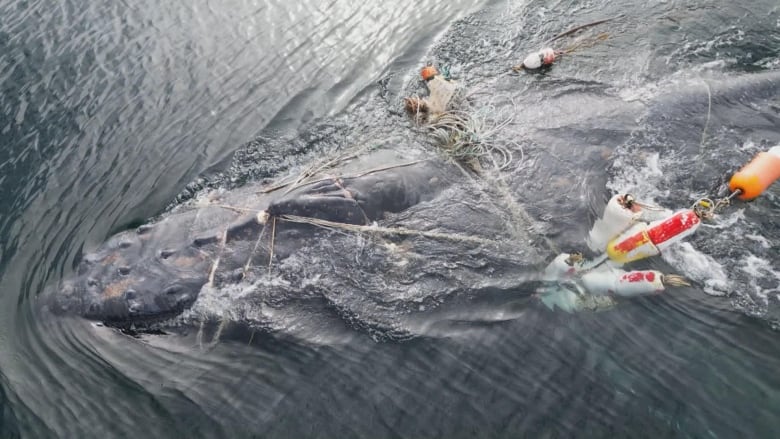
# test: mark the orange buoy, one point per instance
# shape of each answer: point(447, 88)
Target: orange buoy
point(756, 176)
point(428, 72)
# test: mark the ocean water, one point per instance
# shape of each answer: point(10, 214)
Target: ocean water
point(112, 113)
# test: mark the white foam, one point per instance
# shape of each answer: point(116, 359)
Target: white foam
point(653, 165)
point(719, 65)
point(726, 221)
point(760, 239)
point(699, 267)
point(757, 268)
point(642, 182)
point(642, 92)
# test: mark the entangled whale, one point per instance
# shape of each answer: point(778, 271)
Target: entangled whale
point(423, 230)
point(300, 231)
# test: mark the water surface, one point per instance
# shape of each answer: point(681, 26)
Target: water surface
point(109, 110)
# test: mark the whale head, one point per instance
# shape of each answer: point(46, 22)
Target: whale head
point(127, 284)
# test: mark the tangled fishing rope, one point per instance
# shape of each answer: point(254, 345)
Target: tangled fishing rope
point(392, 231)
point(465, 136)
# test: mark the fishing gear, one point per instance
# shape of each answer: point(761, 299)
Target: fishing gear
point(755, 177)
point(623, 236)
point(643, 240)
point(547, 56)
point(607, 280)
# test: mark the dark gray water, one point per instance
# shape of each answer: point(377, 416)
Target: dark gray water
point(111, 110)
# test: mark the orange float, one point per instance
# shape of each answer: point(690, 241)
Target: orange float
point(428, 72)
point(755, 177)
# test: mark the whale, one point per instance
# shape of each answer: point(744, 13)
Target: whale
point(142, 277)
point(389, 231)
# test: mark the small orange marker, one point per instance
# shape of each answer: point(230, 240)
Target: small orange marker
point(755, 177)
point(428, 72)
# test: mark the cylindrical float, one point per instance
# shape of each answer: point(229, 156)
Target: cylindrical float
point(622, 283)
point(644, 240)
point(755, 177)
point(617, 218)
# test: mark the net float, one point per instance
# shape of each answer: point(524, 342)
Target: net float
point(755, 177)
point(644, 240)
point(629, 283)
point(622, 283)
point(544, 57)
point(619, 214)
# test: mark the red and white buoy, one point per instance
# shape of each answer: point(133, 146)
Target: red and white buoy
point(605, 279)
point(644, 240)
point(544, 57)
point(623, 283)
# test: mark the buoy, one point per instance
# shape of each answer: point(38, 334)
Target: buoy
point(538, 59)
point(623, 283)
point(428, 72)
point(644, 240)
point(561, 268)
point(755, 177)
point(618, 216)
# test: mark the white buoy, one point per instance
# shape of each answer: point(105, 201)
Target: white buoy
point(617, 218)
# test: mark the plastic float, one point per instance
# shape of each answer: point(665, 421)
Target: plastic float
point(578, 287)
point(644, 240)
point(620, 213)
point(539, 59)
point(629, 283)
point(548, 55)
point(428, 73)
point(755, 177)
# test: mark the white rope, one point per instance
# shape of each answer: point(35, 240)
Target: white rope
point(386, 230)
